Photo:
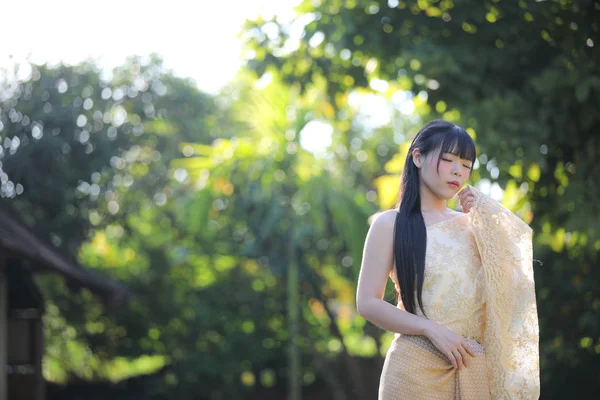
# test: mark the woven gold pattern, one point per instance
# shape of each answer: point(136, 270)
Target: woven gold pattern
point(415, 369)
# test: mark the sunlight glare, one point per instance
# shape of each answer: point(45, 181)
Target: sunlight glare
point(316, 137)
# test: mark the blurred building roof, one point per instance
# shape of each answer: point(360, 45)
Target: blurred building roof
point(21, 241)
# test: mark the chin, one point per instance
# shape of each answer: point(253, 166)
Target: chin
point(445, 195)
point(448, 194)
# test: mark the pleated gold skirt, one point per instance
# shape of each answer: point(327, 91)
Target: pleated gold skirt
point(415, 369)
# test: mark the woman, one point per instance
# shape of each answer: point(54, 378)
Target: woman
point(466, 322)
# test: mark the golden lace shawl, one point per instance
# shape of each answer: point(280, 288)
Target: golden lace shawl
point(511, 336)
point(479, 283)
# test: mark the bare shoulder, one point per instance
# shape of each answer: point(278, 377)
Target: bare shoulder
point(383, 220)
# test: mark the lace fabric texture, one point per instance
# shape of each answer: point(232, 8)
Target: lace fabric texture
point(511, 336)
point(479, 283)
point(453, 285)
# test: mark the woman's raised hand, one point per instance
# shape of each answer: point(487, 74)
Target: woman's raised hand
point(451, 344)
point(467, 198)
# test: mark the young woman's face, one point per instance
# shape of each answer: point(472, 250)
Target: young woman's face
point(452, 169)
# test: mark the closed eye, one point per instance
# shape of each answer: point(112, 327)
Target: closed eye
point(445, 159)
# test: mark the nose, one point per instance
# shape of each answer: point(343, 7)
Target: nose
point(456, 170)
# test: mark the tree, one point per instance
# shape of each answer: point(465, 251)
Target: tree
point(522, 76)
point(285, 205)
point(204, 242)
point(86, 161)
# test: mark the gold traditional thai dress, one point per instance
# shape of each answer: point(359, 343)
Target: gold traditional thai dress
point(479, 283)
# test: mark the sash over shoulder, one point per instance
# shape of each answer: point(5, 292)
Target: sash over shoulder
point(511, 337)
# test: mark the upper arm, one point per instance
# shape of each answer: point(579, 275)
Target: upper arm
point(378, 258)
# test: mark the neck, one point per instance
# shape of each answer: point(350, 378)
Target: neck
point(430, 203)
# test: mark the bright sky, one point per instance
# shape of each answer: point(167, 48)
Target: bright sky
point(197, 39)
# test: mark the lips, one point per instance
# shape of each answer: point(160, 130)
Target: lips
point(454, 184)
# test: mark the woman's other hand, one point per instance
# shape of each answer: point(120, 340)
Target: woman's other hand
point(450, 343)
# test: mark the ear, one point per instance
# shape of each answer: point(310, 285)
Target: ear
point(417, 158)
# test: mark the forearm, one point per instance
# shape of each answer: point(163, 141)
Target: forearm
point(393, 319)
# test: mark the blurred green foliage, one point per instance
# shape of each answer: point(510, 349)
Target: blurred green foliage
point(200, 224)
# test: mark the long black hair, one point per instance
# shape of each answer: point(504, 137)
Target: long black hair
point(410, 233)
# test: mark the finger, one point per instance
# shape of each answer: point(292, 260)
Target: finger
point(452, 359)
point(468, 349)
point(468, 205)
point(467, 196)
point(465, 358)
point(459, 359)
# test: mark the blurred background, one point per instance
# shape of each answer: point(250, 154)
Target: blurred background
point(185, 187)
